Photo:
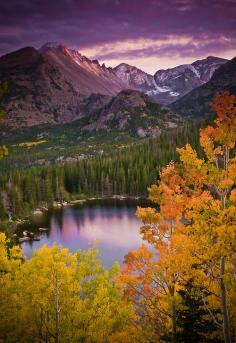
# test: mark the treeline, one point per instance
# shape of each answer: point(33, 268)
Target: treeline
point(127, 172)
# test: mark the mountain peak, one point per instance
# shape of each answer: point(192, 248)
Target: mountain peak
point(215, 58)
point(52, 45)
point(20, 57)
point(134, 77)
point(123, 65)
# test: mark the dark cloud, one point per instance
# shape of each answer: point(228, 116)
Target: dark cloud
point(85, 23)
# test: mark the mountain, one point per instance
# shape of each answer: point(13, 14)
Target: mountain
point(135, 112)
point(197, 103)
point(178, 81)
point(38, 92)
point(206, 67)
point(166, 86)
point(50, 85)
point(56, 85)
point(88, 75)
point(134, 77)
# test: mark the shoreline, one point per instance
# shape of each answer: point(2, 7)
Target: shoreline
point(39, 211)
point(57, 204)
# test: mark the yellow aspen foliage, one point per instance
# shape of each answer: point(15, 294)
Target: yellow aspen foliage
point(57, 296)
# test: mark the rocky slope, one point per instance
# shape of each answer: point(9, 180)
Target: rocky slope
point(197, 103)
point(89, 76)
point(38, 92)
point(134, 77)
point(135, 112)
point(51, 85)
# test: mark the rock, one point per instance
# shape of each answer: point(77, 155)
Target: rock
point(38, 212)
point(77, 202)
point(57, 204)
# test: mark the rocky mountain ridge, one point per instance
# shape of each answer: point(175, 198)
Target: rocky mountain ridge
point(166, 86)
point(56, 85)
point(197, 103)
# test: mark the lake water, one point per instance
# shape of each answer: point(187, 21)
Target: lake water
point(110, 225)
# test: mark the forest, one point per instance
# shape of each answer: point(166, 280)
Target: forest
point(179, 288)
point(125, 172)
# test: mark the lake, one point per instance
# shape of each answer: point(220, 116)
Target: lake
point(110, 225)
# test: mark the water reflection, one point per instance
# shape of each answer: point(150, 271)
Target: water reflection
point(113, 226)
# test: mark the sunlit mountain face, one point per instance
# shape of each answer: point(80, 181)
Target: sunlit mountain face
point(148, 34)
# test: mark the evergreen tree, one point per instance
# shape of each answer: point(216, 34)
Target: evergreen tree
point(193, 321)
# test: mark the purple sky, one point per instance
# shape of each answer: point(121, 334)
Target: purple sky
point(151, 34)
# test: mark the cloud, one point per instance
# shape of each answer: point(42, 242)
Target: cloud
point(169, 48)
point(115, 29)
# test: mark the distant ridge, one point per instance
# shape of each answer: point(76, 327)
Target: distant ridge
point(197, 103)
point(55, 84)
point(166, 86)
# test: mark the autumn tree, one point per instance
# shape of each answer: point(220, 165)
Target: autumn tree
point(193, 230)
point(213, 221)
point(57, 296)
point(10, 262)
point(153, 275)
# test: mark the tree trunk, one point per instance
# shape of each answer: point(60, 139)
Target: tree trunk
point(57, 310)
point(224, 309)
point(173, 316)
point(173, 338)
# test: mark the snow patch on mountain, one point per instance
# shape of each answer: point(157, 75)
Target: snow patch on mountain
point(174, 94)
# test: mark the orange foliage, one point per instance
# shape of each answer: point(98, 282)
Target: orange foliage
point(193, 231)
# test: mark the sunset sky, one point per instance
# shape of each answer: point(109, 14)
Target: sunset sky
point(150, 34)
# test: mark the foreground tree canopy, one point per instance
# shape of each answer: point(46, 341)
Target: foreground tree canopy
point(180, 286)
point(60, 297)
point(193, 234)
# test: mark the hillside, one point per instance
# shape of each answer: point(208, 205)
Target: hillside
point(135, 112)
